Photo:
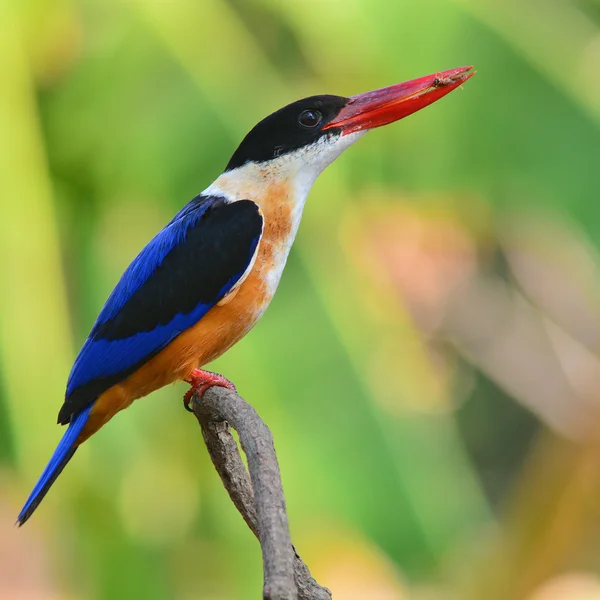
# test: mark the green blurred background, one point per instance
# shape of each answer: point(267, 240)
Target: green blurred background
point(430, 366)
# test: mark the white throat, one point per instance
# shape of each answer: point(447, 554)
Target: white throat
point(298, 170)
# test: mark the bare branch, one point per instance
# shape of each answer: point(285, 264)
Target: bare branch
point(259, 496)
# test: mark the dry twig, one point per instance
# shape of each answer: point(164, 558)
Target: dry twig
point(259, 496)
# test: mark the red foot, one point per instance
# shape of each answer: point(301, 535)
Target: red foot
point(200, 381)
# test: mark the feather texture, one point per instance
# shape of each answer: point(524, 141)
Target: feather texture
point(174, 281)
point(62, 455)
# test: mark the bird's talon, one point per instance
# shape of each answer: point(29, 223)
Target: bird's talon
point(200, 381)
point(187, 399)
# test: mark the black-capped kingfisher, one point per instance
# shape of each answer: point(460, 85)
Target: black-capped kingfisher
point(204, 281)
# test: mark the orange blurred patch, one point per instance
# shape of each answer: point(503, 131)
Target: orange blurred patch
point(425, 255)
point(571, 586)
point(351, 566)
point(412, 259)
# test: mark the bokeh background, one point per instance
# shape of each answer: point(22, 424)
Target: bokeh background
point(430, 366)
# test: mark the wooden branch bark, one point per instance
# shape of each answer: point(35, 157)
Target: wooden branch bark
point(258, 496)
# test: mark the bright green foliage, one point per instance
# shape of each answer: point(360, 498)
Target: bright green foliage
point(434, 341)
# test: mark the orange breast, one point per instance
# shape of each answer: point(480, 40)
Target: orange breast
point(221, 327)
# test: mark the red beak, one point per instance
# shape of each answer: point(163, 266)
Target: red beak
point(380, 107)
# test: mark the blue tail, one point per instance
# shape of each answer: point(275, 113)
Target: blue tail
point(62, 455)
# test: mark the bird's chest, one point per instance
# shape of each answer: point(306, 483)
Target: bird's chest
point(231, 318)
point(280, 227)
point(239, 311)
point(281, 206)
point(275, 245)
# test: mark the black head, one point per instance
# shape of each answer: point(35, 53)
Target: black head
point(291, 127)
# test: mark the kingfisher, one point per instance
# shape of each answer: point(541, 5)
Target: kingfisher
point(204, 280)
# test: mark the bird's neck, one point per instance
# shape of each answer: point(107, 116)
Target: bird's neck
point(280, 193)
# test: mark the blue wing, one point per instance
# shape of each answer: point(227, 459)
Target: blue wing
point(174, 281)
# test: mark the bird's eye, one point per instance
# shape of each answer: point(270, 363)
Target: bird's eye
point(310, 118)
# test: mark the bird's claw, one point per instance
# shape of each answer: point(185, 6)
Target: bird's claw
point(200, 381)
